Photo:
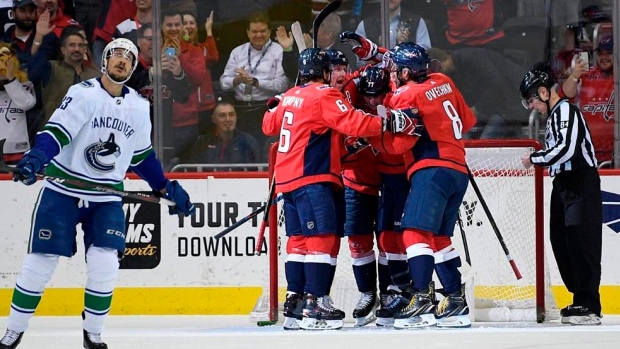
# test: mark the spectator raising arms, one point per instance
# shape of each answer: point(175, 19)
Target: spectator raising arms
point(206, 95)
point(254, 72)
point(57, 19)
point(55, 77)
point(593, 90)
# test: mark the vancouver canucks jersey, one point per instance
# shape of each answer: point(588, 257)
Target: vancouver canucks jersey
point(100, 136)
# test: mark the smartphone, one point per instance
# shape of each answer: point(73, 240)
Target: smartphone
point(170, 51)
point(584, 57)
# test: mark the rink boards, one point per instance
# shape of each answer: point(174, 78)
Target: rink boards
point(174, 265)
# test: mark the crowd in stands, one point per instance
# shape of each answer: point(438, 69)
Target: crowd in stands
point(219, 67)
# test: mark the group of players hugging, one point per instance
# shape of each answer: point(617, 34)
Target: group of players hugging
point(393, 127)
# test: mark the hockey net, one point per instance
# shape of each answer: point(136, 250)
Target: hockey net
point(514, 196)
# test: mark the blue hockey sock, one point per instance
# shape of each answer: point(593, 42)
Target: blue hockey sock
point(295, 276)
point(421, 270)
point(366, 276)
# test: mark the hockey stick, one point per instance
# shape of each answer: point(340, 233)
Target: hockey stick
point(493, 225)
point(298, 35)
point(245, 219)
point(87, 185)
point(464, 238)
point(329, 8)
point(263, 224)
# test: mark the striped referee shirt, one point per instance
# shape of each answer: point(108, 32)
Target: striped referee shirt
point(568, 144)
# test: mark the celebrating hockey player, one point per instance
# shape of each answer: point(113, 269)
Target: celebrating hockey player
point(100, 129)
point(361, 182)
point(310, 120)
point(437, 171)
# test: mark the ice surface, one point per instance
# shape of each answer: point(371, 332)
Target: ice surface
point(179, 332)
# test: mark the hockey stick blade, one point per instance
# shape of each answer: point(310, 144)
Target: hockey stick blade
point(88, 185)
point(244, 219)
point(298, 35)
point(329, 8)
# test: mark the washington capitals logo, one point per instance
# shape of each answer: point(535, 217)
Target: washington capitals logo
point(611, 210)
point(102, 155)
point(472, 5)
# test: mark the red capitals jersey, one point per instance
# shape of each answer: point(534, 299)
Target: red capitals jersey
point(111, 14)
point(387, 163)
point(310, 120)
point(596, 102)
point(360, 170)
point(391, 163)
point(473, 22)
point(445, 116)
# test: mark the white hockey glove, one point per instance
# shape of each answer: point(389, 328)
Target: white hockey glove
point(405, 121)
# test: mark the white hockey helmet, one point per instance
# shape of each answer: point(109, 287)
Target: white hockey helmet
point(123, 44)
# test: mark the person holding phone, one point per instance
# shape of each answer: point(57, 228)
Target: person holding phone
point(184, 61)
point(592, 89)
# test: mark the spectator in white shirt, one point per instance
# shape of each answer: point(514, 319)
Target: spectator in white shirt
point(254, 72)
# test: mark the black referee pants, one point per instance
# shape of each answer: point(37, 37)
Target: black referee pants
point(576, 234)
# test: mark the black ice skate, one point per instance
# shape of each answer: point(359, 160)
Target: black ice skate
point(391, 303)
point(11, 339)
point(453, 311)
point(329, 302)
point(364, 312)
point(419, 312)
point(578, 316)
point(292, 310)
point(319, 314)
point(93, 341)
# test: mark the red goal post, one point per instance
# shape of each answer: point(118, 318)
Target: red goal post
point(515, 199)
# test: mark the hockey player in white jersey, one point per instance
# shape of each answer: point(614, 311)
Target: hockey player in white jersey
point(100, 129)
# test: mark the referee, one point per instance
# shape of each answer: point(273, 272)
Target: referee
point(576, 216)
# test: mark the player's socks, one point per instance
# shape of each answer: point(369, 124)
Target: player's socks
point(383, 275)
point(447, 263)
point(332, 273)
point(365, 275)
point(295, 276)
point(399, 271)
point(421, 270)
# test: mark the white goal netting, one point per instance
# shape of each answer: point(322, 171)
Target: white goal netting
point(514, 198)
